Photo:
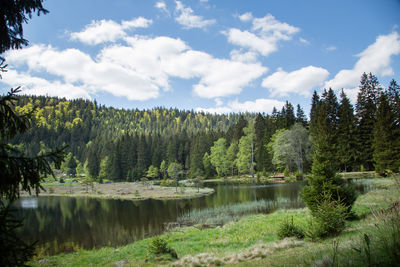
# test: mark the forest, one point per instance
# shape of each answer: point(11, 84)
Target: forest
point(127, 145)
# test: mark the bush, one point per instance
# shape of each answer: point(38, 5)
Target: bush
point(286, 172)
point(167, 182)
point(333, 189)
point(159, 245)
point(328, 219)
point(289, 229)
point(299, 175)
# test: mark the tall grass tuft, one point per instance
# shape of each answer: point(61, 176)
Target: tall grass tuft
point(224, 214)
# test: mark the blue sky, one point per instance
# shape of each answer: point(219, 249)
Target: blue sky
point(217, 56)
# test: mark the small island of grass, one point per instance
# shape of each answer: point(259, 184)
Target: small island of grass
point(122, 190)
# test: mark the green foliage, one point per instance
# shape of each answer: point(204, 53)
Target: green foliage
point(159, 245)
point(286, 172)
point(223, 214)
point(105, 168)
point(245, 156)
point(14, 251)
point(207, 165)
point(288, 229)
point(152, 172)
point(167, 182)
point(218, 157)
point(328, 219)
point(386, 138)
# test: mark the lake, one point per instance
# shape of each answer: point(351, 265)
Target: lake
point(64, 224)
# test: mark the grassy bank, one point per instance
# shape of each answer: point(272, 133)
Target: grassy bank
point(125, 190)
point(250, 241)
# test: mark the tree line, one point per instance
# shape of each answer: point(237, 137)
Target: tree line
point(119, 144)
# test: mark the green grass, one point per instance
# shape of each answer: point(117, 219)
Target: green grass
point(223, 214)
point(245, 236)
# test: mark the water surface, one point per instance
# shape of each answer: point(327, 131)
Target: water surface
point(63, 224)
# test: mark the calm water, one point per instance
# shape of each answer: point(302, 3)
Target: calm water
point(62, 224)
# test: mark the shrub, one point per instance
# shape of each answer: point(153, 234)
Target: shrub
point(328, 219)
point(289, 229)
point(159, 245)
point(286, 172)
point(299, 175)
point(167, 182)
point(321, 189)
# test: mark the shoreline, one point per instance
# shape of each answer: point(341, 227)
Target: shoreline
point(224, 244)
point(122, 191)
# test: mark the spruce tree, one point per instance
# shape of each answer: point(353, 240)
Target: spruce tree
point(386, 138)
point(368, 95)
point(324, 185)
point(313, 113)
point(300, 116)
point(346, 143)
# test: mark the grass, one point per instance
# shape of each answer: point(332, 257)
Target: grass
point(223, 214)
point(251, 241)
point(121, 190)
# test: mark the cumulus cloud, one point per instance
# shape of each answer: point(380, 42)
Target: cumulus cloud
point(246, 17)
point(304, 41)
point(39, 86)
point(238, 55)
point(300, 81)
point(188, 19)
point(102, 31)
point(138, 70)
point(376, 58)
point(258, 105)
point(264, 35)
point(162, 6)
point(331, 48)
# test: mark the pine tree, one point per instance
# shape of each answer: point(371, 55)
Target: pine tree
point(260, 153)
point(313, 113)
point(346, 143)
point(368, 95)
point(386, 138)
point(300, 116)
point(394, 100)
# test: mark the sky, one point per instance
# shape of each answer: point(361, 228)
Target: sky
point(217, 56)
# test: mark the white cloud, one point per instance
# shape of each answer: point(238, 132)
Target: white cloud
point(246, 39)
point(264, 36)
point(162, 6)
point(139, 22)
point(269, 26)
point(304, 41)
point(331, 48)
point(102, 31)
point(138, 70)
point(301, 81)
point(246, 17)
point(39, 86)
point(238, 55)
point(258, 105)
point(218, 102)
point(188, 19)
point(376, 58)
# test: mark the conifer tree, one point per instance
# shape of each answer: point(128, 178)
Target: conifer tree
point(300, 116)
point(386, 138)
point(368, 95)
point(260, 153)
point(313, 113)
point(346, 143)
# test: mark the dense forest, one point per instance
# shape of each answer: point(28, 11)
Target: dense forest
point(120, 144)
